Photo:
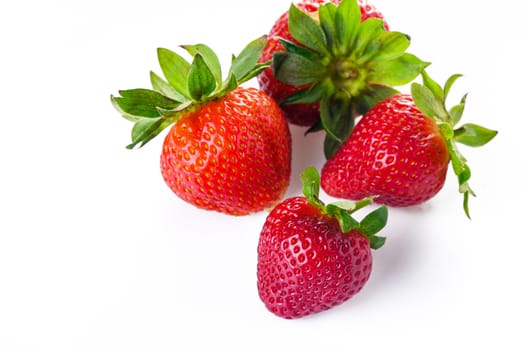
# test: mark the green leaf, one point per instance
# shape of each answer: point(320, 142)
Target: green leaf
point(463, 177)
point(456, 111)
point(296, 70)
point(297, 49)
point(332, 112)
point(374, 222)
point(244, 63)
point(345, 220)
point(465, 204)
point(376, 242)
point(399, 71)
point(201, 81)
point(347, 21)
point(315, 128)
point(457, 161)
point(327, 16)
point(210, 58)
point(345, 205)
point(337, 118)
point(361, 204)
point(144, 130)
point(433, 86)
point(311, 94)
point(449, 83)
point(446, 130)
point(375, 94)
point(474, 135)
point(369, 29)
point(386, 46)
point(175, 69)
point(310, 179)
point(427, 102)
point(142, 103)
point(330, 146)
point(230, 83)
point(258, 68)
point(463, 173)
point(158, 84)
point(306, 31)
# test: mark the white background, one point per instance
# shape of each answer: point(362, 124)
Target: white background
point(97, 253)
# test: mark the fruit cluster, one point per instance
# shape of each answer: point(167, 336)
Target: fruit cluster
point(332, 67)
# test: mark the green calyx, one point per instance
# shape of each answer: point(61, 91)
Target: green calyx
point(187, 85)
point(348, 65)
point(369, 226)
point(430, 98)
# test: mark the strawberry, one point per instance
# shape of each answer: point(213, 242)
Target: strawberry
point(312, 256)
point(343, 64)
point(304, 114)
point(400, 150)
point(229, 149)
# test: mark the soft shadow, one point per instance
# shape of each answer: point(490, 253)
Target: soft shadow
point(401, 252)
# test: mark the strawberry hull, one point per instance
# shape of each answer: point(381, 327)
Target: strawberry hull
point(301, 114)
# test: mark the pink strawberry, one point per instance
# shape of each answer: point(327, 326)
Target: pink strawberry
point(312, 257)
point(229, 148)
point(305, 114)
point(400, 150)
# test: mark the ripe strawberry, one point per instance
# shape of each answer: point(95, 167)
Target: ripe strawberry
point(312, 257)
point(304, 114)
point(400, 150)
point(343, 64)
point(229, 149)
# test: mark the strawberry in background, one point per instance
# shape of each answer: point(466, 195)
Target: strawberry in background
point(333, 61)
point(303, 114)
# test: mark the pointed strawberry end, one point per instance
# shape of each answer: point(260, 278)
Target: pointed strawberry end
point(369, 226)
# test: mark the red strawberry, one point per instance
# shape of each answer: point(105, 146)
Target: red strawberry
point(305, 114)
point(399, 151)
point(312, 257)
point(343, 63)
point(229, 149)
point(394, 152)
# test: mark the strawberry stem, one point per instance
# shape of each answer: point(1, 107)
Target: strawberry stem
point(361, 204)
point(373, 223)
